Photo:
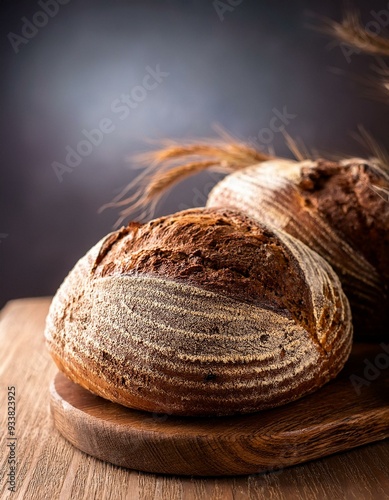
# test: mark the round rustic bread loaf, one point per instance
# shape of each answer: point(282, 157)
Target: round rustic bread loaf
point(205, 312)
point(338, 210)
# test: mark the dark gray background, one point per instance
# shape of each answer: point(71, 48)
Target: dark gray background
point(233, 72)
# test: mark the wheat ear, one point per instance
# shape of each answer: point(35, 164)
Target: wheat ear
point(174, 162)
point(351, 31)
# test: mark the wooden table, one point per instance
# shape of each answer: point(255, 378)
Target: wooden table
point(48, 467)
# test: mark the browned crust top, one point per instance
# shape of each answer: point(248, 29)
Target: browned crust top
point(217, 249)
point(344, 196)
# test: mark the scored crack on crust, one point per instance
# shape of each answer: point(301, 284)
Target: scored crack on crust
point(221, 251)
point(205, 312)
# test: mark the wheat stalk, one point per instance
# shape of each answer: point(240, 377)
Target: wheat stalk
point(174, 162)
point(351, 31)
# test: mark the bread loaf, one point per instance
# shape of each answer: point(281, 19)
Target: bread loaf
point(335, 209)
point(205, 312)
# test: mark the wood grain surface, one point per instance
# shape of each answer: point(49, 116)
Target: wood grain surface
point(333, 419)
point(49, 467)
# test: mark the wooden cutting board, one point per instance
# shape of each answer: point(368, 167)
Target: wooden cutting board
point(351, 411)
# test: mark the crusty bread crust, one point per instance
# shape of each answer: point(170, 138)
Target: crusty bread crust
point(333, 208)
point(201, 313)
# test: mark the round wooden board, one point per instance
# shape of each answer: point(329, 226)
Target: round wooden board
point(335, 418)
